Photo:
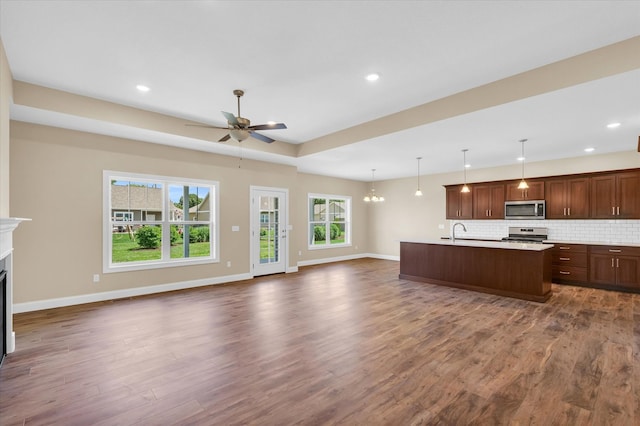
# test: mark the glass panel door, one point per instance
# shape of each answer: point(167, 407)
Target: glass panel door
point(269, 231)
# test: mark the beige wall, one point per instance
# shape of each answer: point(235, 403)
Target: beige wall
point(56, 179)
point(404, 216)
point(6, 94)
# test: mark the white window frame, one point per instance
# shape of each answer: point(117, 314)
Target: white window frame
point(327, 222)
point(214, 233)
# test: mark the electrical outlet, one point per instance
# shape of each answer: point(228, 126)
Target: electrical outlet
point(96, 278)
point(228, 264)
point(299, 252)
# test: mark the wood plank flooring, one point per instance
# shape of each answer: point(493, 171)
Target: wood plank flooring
point(344, 343)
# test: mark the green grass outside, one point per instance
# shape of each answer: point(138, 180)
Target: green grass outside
point(126, 250)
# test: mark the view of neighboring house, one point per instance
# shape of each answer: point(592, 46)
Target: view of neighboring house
point(199, 212)
point(139, 203)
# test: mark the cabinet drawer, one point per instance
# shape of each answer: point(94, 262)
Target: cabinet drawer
point(616, 250)
point(574, 248)
point(569, 273)
point(570, 259)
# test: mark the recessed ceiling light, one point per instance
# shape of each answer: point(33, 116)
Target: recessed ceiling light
point(613, 125)
point(467, 165)
point(142, 88)
point(520, 158)
point(372, 77)
point(589, 149)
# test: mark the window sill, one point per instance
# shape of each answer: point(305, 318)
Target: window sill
point(156, 265)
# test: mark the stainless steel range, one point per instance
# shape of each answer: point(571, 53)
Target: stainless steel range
point(527, 235)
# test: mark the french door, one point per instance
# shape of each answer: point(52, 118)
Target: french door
point(269, 208)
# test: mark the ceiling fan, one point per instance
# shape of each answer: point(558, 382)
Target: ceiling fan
point(240, 128)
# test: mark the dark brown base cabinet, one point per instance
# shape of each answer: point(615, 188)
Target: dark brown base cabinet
point(615, 267)
point(570, 263)
point(523, 274)
point(600, 266)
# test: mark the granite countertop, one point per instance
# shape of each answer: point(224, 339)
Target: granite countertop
point(483, 243)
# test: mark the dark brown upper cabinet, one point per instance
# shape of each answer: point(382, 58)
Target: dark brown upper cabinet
point(567, 198)
point(488, 201)
point(535, 191)
point(459, 204)
point(616, 196)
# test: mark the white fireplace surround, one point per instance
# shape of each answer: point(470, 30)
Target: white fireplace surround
point(7, 226)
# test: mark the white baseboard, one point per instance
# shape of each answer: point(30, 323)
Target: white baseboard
point(350, 257)
point(141, 291)
point(384, 257)
point(121, 294)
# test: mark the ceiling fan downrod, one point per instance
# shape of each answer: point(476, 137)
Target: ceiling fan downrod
point(238, 94)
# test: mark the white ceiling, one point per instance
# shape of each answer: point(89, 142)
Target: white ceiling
point(304, 62)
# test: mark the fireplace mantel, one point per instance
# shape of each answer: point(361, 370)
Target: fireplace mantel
point(7, 226)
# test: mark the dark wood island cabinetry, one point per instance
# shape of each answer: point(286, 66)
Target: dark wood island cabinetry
point(508, 269)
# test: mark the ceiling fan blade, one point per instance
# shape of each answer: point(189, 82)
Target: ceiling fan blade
point(268, 126)
point(206, 125)
point(263, 138)
point(224, 138)
point(230, 118)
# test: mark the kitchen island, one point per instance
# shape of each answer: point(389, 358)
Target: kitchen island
point(507, 269)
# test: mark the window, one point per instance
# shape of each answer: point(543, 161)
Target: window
point(157, 221)
point(329, 221)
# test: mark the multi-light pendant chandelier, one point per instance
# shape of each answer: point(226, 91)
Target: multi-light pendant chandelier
point(523, 183)
point(371, 196)
point(418, 191)
point(465, 188)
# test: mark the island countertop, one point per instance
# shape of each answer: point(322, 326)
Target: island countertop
point(504, 268)
point(486, 244)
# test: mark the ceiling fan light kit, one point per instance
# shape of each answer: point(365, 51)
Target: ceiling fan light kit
point(240, 128)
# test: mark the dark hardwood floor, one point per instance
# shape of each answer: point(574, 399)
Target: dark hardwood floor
point(344, 343)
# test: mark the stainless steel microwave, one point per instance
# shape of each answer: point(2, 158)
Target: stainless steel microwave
point(530, 209)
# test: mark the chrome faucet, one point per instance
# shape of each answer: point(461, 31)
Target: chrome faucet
point(453, 230)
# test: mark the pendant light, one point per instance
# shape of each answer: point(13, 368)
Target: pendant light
point(371, 196)
point(523, 184)
point(465, 188)
point(418, 192)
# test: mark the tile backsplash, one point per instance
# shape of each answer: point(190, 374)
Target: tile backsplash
point(602, 231)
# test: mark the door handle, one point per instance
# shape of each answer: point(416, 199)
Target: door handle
point(615, 251)
point(564, 248)
point(565, 258)
point(565, 273)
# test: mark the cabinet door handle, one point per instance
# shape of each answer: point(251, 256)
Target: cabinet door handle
point(613, 211)
point(490, 212)
point(618, 210)
point(565, 258)
point(617, 263)
point(564, 211)
point(565, 273)
point(486, 213)
point(612, 262)
point(615, 251)
point(564, 248)
point(568, 211)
